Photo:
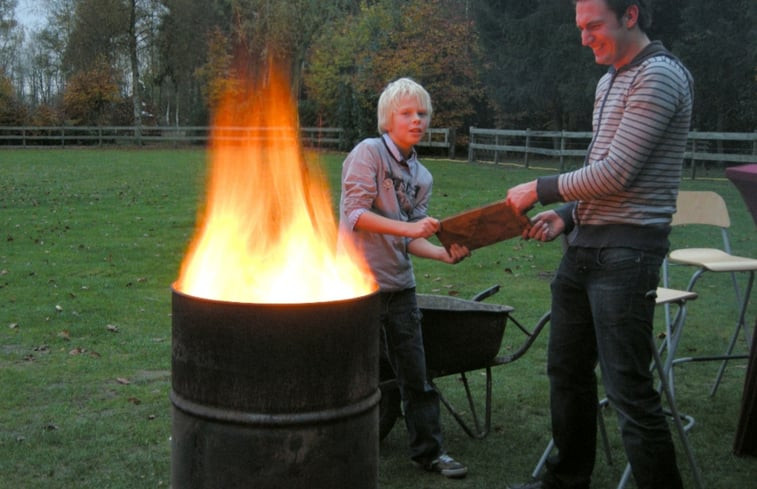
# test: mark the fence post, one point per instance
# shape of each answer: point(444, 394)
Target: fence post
point(562, 151)
point(525, 152)
point(693, 159)
point(471, 142)
point(452, 132)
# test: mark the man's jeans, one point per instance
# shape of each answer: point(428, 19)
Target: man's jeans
point(601, 311)
point(401, 321)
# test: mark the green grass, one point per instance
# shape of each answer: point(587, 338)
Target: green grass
point(90, 241)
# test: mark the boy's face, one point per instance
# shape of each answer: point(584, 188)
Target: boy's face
point(408, 123)
point(608, 38)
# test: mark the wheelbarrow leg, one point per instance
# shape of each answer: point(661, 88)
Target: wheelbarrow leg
point(477, 431)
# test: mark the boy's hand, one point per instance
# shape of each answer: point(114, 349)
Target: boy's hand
point(457, 253)
point(426, 227)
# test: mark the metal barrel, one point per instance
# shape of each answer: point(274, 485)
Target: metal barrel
point(274, 395)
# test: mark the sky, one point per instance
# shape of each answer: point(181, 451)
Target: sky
point(29, 13)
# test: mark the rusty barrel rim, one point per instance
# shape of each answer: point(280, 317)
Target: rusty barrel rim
point(283, 419)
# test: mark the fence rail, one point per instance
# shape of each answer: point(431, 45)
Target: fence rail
point(495, 144)
point(320, 137)
point(32, 136)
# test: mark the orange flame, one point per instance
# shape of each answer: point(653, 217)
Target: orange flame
point(268, 233)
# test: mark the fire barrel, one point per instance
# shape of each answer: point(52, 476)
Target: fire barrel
point(274, 395)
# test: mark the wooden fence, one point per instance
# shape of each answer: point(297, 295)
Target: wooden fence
point(702, 148)
point(493, 145)
point(62, 136)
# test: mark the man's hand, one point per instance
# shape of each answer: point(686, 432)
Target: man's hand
point(545, 226)
point(522, 197)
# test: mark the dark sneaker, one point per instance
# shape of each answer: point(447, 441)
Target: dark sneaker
point(445, 465)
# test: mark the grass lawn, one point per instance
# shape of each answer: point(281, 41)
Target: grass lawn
point(91, 240)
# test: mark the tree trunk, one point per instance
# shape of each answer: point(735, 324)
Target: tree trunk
point(136, 95)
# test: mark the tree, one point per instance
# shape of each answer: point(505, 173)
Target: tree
point(537, 73)
point(282, 31)
point(217, 75)
point(10, 35)
point(185, 30)
point(433, 42)
point(11, 111)
point(92, 96)
point(723, 66)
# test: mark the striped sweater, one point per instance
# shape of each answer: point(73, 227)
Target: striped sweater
point(626, 192)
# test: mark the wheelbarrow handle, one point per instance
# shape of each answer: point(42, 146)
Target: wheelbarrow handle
point(486, 293)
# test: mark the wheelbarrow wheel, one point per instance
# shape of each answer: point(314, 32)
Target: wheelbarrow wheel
point(390, 407)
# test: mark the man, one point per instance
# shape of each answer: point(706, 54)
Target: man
point(617, 224)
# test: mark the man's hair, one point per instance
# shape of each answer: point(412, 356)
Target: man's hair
point(620, 7)
point(392, 95)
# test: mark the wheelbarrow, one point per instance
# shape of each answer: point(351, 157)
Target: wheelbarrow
point(459, 336)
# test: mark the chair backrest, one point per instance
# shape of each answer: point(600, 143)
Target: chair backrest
point(701, 207)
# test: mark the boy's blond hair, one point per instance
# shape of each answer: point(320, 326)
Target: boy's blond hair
point(394, 93)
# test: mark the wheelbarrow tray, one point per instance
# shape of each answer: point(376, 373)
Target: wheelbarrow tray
point(460, 335)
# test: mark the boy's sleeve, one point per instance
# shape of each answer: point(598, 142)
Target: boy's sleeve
point(359, 187)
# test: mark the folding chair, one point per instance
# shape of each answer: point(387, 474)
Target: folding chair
point(709, 209)
point(664, 370)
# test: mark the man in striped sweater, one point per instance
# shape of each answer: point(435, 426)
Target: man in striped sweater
point(617, 222)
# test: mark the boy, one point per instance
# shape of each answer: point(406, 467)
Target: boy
point(385, 194)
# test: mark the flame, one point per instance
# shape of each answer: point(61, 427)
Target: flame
point(268, 232)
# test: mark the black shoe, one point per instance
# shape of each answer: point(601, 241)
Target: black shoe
point(445, 465)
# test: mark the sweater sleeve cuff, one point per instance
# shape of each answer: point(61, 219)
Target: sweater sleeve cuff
point(566, 214)
point(547, 189)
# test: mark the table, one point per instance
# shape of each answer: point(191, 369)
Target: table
point(744, 177)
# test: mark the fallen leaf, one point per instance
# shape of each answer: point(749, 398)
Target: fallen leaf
point(13, 325)
point(58, 308)
point(112, 328)
point(123, 381)
point(65, 334)
point(134, 401)
point(76, 351)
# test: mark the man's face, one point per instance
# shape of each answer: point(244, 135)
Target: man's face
point(608, 37)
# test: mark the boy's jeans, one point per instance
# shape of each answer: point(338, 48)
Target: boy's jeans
point(401, 321)
point(601, 312)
